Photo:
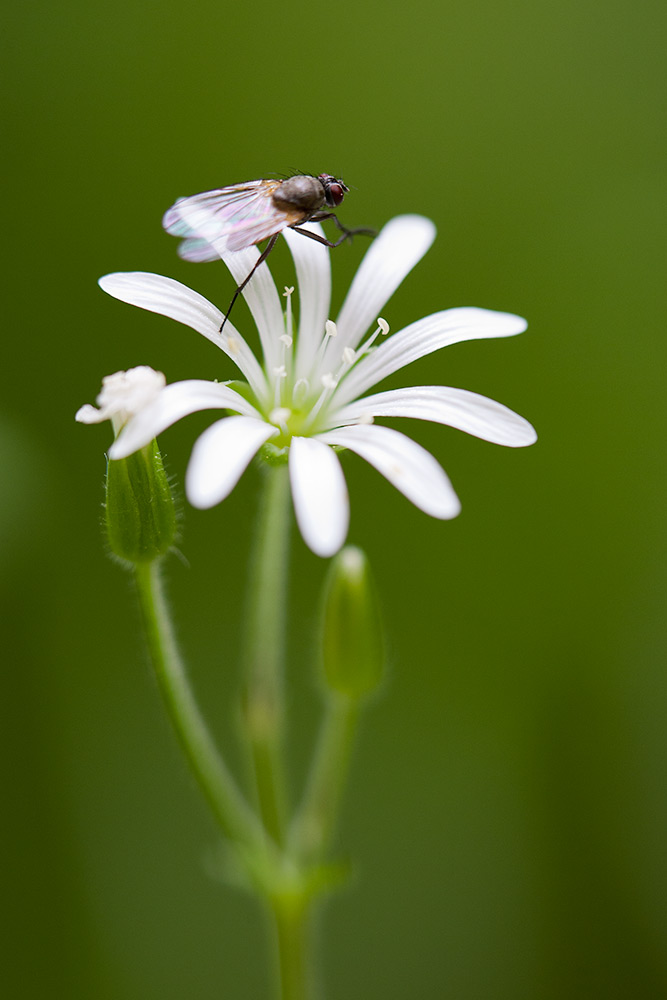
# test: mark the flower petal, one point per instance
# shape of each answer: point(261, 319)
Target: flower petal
point(467, 411)
point(174, 402)
point(422, 338)
point(221, 455)
point(263, 300)
point(389, 259)
point(89, 414)
point(168, 297)
point(313, 271)
point(408, 466)
point(319, 494)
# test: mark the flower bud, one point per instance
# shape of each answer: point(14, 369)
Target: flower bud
point(139, 512)
point(352, 639)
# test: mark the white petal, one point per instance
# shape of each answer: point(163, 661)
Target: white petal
point(422, 338)
point(165, 296)
point(408, 466)
point(263, 300)
point(467, 411)
point(389, 259)
point(175, 401)
point(313, 271)
point(89, 414)
point(221, 455)
point(319, 494)
point(168, 297)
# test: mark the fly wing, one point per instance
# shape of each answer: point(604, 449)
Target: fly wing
point(197, 250)
point(229, 218)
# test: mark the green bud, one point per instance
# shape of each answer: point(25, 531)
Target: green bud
point(139, 513)
point(352, 635)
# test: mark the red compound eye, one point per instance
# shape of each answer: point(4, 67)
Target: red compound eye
point(335, 194)
point(334, 189)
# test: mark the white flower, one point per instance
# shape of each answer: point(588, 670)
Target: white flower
point(123, 395)
point(307, 395)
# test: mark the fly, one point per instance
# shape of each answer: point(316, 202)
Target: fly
point(233, 218)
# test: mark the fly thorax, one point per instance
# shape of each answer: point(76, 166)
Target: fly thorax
point(302, 193)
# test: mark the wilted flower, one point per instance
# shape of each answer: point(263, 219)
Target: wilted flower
point(123, 395)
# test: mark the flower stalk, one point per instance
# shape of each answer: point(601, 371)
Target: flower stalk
point(236, 818)
point(294, 942)
point(263, 706)
point(314, 826)
point(353, 659)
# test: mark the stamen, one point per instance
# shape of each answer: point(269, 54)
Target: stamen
point(349, 357)
point(300, 391)
point(286, 341)
point(330, 331)
point(280, 416)
point(288, 312)
point(279, 373)
point(233, 346)
point(329, 384)
point(383, 328)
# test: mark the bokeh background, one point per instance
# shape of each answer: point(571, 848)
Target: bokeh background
point(507, 816)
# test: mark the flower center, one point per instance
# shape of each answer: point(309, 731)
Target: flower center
point(301, 407)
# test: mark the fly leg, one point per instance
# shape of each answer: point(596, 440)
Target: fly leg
point(262, 257)
point(347, 233)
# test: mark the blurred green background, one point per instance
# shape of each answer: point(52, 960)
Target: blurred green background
point(507, 817)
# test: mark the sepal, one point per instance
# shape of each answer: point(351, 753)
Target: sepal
point(140, 516)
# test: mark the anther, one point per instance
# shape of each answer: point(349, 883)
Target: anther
point(330, 331)
point(280, 416)
point(383, 328)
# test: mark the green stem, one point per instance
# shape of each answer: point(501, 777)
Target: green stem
point(293, 917)
point(315, 823)
point(264, 696)
point(233, 813)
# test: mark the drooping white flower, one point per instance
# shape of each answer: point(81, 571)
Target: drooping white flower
point(306, 396)
point(123, 395)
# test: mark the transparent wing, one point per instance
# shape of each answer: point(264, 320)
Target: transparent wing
point(231, 218)
point(197, 250)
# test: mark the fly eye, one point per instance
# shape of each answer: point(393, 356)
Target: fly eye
point(335, 194)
